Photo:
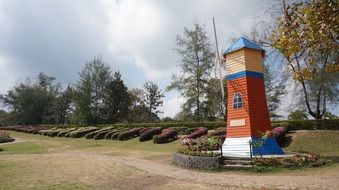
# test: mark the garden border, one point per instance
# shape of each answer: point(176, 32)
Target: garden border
point(196, 162)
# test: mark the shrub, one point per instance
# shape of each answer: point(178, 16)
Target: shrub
point(1, 149)
point(25, 128)
point(321, 124)
point(284, 124)
point(81, 132)
point(190, 130)
point(198, 133)
point(91, 135)
point(64, 132)
point(279, 134)
point(101, 135)
point(149, 133)
point(54, 133)
point(143, 130)
point(180, 130)
point(298, 160)
point(68, 134)
point(166, 136)
point(5, 137)
point(218, 132)
point(109, 134)
point(129, 134)
point(116, 134)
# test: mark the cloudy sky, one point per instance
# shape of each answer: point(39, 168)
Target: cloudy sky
point(133, 36)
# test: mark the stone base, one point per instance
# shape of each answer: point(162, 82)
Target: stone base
point(241, 147)
point(196, 162)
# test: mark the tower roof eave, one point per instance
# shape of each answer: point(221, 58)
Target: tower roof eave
point(243, 43)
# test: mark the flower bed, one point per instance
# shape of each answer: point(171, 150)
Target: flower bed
point(206, 146)
point(298, 160)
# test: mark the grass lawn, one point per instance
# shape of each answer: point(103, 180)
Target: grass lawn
point(325, 143)
point(40, 162)
point(32, 144)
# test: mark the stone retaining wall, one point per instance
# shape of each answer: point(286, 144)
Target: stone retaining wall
point(188, 161)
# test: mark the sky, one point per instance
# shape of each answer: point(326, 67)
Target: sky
point(135, 37)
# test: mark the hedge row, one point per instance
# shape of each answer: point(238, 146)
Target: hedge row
point(166, 136)
point(181, 127)
point(132, 133)
point(149, 133)
point(324, 124)
point(24, 128)
point(81, 132)
point(200, 131)
point(98, 134)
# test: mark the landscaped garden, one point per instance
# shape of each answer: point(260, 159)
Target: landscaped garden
point(36, 162)
point(196, 142)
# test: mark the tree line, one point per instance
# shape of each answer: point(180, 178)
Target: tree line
point(99, 96)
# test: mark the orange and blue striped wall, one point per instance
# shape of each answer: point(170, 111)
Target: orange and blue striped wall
point(245, 77)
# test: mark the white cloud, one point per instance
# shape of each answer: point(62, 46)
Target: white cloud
point(136, 37)
point(171, 106)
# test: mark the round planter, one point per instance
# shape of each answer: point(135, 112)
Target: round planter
point(196, 162)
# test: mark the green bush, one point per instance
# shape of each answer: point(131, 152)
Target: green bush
point(166, 136)
point(54, 133)
point(81, 132)
point(190, 130)
point(116, 134)
point(4, 137)
point(94, 134)
point(218, 132)
point(180, 130)
point(101, 135)
point(91, 134)
point(64, 132)
point(198, 133)
point(148, 134)
point(298, 160)
point(1, 149)
point(323, 124)
point(132, 133)
point(68, 134)
point(109, 134)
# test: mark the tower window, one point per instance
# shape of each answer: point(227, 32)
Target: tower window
point(237, 101)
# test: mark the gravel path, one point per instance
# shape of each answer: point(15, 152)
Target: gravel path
point(318, 181)
point(327, 178)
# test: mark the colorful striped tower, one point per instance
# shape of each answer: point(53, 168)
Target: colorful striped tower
point(247, 112)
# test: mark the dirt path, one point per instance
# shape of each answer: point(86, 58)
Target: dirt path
point(317, 180)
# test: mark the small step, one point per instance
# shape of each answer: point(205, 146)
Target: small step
point(237, 166)
point(237, 162)
point(235, 158)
